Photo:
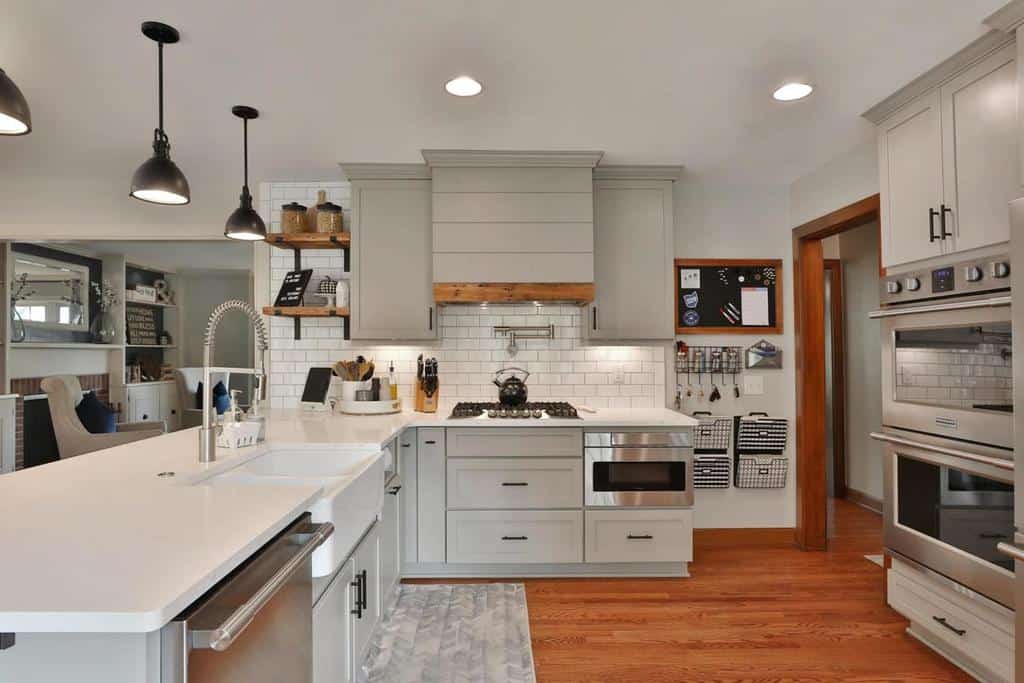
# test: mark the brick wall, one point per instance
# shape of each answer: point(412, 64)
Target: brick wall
point(468, 351)
point(30, 386)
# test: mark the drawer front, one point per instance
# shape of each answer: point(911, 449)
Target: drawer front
point(503, 483)
point(639, 535)
point(483, 442)
point(952, 625)
point(511, 537)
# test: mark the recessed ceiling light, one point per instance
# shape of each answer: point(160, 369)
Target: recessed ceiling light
point(463, 86)
point(792, 91)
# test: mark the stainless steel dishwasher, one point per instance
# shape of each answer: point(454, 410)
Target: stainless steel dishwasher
point(255, 626)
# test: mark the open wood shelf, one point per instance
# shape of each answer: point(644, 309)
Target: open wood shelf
point(310, 240)
point(306, 311)
point(506, 292)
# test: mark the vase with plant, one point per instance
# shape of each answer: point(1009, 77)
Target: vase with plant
point(104, 328)
point(19, 290)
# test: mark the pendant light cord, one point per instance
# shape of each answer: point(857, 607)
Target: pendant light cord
point(160, 81)
point(245, 149)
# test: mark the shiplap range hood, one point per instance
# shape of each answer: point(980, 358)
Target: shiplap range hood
point(512, 226)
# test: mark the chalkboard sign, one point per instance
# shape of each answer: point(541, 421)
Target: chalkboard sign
point(143, 324)
point(293, 287)
point(731, 296)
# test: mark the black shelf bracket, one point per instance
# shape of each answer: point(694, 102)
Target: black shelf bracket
point(297, 252)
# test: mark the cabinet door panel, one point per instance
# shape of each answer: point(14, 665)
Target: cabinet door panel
point(143, 404)
point(389, 541)
point(979, 147)
point(633, 238)
point(910, 166)
point(367, 559)
point(392, 284)
point(332, 630)
point(430, 494)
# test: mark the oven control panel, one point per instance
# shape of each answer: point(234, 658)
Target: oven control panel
point(959, 278)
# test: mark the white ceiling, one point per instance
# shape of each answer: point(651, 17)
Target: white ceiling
point(649, 81)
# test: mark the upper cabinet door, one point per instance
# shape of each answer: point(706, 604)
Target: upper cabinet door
point(979, 150)
point(910, 168)
point(633, 252)
point(392, 287)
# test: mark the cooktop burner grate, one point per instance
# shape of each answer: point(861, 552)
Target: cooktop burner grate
point(534, 410)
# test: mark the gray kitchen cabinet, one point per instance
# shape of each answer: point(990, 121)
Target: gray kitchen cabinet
point(948, 164)
point(7, 428)
point(392, 285)
point(332, 629)
point(430, 498)
point(366, 564)
point(390, 540)
point(633, 254)
point(407, 529)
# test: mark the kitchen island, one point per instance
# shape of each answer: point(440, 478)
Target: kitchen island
point(111, 546)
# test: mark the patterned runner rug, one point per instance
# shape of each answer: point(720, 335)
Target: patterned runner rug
point(461, 633)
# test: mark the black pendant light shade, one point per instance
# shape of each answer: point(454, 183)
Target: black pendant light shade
point(244, 223)
point(159, 180)
point(15, 118)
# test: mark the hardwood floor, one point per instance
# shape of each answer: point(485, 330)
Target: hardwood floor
point(750, 612)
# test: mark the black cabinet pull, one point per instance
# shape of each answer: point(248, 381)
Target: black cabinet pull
point(394, 490)
point(515, 483)
point(640, 537)
point(942, 221)
point(366, 589)
point(514, 538)
point(594, 312)
point(406, 445)
point(993, 536)
point(932, 213)
point(942, 621)
point(430, 443)
point(430, 318)
point(357, 584)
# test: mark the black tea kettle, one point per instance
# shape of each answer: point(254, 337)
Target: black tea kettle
point(511, 389)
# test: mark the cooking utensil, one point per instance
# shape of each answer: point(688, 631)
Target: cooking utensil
point(512, 390)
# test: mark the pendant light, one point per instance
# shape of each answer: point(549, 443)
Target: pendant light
point(244, 223)
point(15, 118)
point(159, 180)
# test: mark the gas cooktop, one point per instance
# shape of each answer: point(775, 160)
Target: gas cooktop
point(560, 410)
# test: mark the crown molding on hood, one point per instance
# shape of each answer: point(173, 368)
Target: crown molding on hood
point(1007, 18)
point(512, 159)
point(648, 172)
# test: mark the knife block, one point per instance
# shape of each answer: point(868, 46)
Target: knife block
point(424, 403)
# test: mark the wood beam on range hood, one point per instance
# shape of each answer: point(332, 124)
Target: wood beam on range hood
point(513, 292)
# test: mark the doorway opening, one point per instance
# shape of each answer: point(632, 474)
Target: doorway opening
point(835, 360)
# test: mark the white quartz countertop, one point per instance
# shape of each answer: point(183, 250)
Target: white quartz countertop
point(100, 543)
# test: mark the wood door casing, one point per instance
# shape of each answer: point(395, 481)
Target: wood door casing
point(834, 272)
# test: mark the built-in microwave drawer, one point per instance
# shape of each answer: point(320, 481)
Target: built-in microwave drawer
point(639, 535)
point(515, 536)
point(505, 483)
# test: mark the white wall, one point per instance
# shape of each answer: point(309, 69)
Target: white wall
point(45, 362)
point(842, 181)
point(717, 219)
point(859, 250)
point(201, 291)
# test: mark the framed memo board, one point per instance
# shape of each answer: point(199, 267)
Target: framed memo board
point(728, 296)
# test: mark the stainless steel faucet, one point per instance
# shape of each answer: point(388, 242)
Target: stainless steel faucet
point(208, 431)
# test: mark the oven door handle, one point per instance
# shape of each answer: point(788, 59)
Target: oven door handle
point(953, 452)
point(992, 302)
point(1011, 550)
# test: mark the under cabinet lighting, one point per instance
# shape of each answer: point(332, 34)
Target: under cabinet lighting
point(463, 86)
point(792, 91)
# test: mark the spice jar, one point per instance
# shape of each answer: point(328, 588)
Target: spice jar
point(293, 218)
point(328, 217)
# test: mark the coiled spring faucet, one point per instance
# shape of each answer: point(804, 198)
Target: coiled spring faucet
point(208, 431)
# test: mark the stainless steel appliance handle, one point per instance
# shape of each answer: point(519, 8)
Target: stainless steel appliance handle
point(964, 455)
point(223, 636)
point(993, 302)
point(1011, 550)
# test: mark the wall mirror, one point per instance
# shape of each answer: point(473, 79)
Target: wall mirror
point(50, 294)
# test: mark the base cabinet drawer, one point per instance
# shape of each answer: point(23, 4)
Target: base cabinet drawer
point(974, 636)
point(515, 442)
point(515, 536)
point(503, 483)
point(639, 535)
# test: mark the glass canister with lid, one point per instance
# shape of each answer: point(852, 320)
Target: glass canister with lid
point(293, 218)
point(329, 217)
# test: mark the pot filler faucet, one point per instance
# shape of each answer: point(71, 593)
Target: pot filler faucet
point(208, 432)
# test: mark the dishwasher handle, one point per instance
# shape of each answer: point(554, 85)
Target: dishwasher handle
point(222, 637)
